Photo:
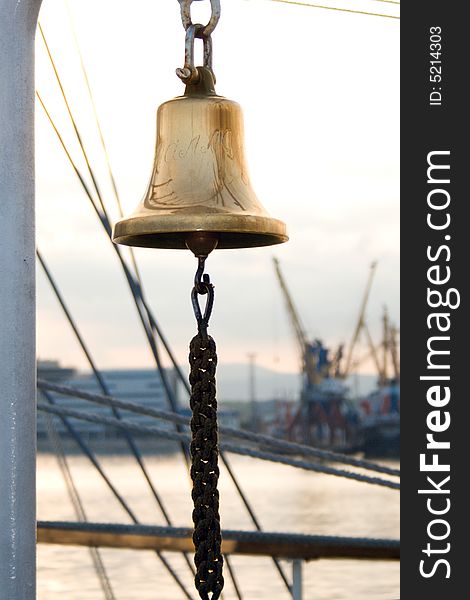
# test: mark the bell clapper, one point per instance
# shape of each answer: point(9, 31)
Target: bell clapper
point(201, 243)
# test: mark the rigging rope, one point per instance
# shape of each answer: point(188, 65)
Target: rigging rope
point(77, 504)
point(228, 447)
point(346, 10)
point(54, 409)
point(387, 1)
point(100, 132)
point(135, 451)
point(72, 119)
point(258, 438)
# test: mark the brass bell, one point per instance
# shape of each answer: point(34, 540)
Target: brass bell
point(199, 195)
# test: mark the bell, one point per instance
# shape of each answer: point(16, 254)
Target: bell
point(199, 195)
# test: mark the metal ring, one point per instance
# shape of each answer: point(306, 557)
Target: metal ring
point(207, 40)
point(185, 6)
point(215, 16)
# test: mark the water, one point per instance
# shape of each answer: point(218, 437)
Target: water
point(284, 498)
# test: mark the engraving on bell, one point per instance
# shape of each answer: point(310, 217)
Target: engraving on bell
point(199, 182)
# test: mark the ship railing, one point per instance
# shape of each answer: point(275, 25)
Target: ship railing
point(294, 547)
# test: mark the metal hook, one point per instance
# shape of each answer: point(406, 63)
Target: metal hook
point(199, 279)
point(202, 286)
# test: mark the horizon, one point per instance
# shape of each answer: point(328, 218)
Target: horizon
point(233, 381)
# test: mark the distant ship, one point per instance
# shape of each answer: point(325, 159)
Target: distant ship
point(326, 416)
point(380, 422)
point(52, 371)
point(141, 386)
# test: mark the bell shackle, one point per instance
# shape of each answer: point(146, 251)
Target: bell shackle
point(189, 73)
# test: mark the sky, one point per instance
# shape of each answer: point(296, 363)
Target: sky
point(320, 95)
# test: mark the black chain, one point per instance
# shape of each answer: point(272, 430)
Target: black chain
point(204, 448)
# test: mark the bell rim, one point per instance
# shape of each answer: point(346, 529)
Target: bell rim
point(171, 231)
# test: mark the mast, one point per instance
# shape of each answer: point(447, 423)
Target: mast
point(360, 320)
point(252, 392)
point(17, 301)
point(385, 346)
point(394, 351)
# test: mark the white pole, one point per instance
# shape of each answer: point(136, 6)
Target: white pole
point(17, 301)
point(252, 393)
point(297, 579)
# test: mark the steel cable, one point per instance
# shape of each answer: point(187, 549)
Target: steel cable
point(228, 447)
point(102, 384)
point(54, 409)
point(74, 496)
point(345, 10)
point(261, 439)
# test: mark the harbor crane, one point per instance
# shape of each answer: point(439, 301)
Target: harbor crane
point(309, 366)
point(361, 325)
point(320, 418)
point(380, 353)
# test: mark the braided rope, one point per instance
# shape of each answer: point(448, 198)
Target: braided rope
point(204, 470)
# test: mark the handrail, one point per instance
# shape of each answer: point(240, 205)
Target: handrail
point(178, 539)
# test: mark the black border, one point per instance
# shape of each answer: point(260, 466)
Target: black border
point(426, 128)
